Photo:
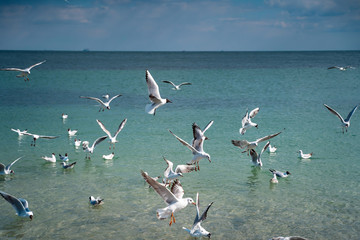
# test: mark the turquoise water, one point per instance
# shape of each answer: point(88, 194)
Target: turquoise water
point(320, 199)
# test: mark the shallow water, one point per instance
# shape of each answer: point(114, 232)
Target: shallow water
point(319, 200)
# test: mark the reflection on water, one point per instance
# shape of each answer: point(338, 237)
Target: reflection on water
point(253, 179)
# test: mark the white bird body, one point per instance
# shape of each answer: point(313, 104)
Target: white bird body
point(36, 136)
point(177, 87)
point(19, 132)
point(272, 149)
point(340, 68)
point(20, 205)
point(154, 95)
point(95, 201)
point(305, 155)
point(274, 179)
point(77, 142)
point(23, 72)
point(170, 174)
point(50, 159)
point(246, 122)
point(109, 156)
point(113, 139)
point(174, 198)
point(256, 158)
point(64, 116)
point(103, 105)
point(72, 132)
point(344, 123)
point(89, 149)
point(244, 144)
point(6, 169)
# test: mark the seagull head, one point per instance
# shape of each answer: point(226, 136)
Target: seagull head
point(256, 126)
point(208, 157)
point(288, 173)
point(31, 215)
point(209, 235)
point(191, 201)
point(168, 101)
point(12, 171)
point(108, 107)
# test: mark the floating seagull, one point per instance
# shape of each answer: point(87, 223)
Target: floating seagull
point(304, 155)
point(341, 68)
point(112, 138)
point(288, 238)
point(71, 132)
point(103, 105)
point(64, 158)
point(272, 149)
point(95, 201)
point(68, 166)
point(280, 174)
point(174, 198)
point(6, 169)
point(197, 150)
point(177, 87)
point(77, 142)
point(244, 144)
point(35, 137)
point(256, 159)
point(106, 96)
point(90, 150)
point(197, 142)
point(154, 95)
point(170, 174)
point(50, 159)
point(23, 72)
point(19, 132)
point(344, 123)
point(197, 230)
point(20, 205)
point(274, 179)
point(109, 156)
point(246, 122)
point(64, 116)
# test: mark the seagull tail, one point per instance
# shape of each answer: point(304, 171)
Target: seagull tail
point(163, 213)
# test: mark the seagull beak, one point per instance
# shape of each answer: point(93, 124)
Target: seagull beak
point(194, 203)
point(31, 217)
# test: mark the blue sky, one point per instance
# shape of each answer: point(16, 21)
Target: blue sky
point(177, 25)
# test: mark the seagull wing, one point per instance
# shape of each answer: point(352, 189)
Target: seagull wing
point(267, 137)
point(351, 113)
point(254, 155)
point(35, 65)
point(184, 83)
point(48, 137)
point(170, 82)
point(103, 128)
point(265, 147)
point(2, 167)
point(245, 119)
point(184, 143)
point(197, 217)
point(177, 189)
point(94, 98)
point(97, 141)
point(240, 143)
point(184, 168)
point(204, 215)
point(116, 96)
point(334, 112)
point(153, 88)
point(168, 168)
point(10, 165)
point(12, 69)
point(333, 67)
point(16, 203)
point(198, 137)
point(208, 126)
point(168, 196)
point(254, 112)
point(121, 126)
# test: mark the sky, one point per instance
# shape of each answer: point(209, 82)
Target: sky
point(180, 25)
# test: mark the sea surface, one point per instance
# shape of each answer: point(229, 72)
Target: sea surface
point(319, 200)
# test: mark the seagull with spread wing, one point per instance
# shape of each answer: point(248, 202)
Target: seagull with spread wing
point(344, 123)
point(246, 122)
point(170, 174)
point(6, 169)
point(177, 87)
point(36, 136)
point(20, 205)
point(256, 158)
point(90, 150)
point(103, 105)
point(23, 72)
point(112, 138)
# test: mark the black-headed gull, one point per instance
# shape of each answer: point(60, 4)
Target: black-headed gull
point(64, 116)
point(64, 158)
point(90, 150)
point(112, 138)
point(304, 155)
point(95, 201)
point(280, 174)
point(170, 174)
point(177, 87)
point(23, 72)
point(244, 144)
point(20, 205)
point(6, 169)
point(272, 149)
point(50, 159)
point(196, 142)
point(72, 132)
point(174, 198)
point(344, 123)
point(256, 158)
point(341, 68)
point(198, 150)
point(19, 132)
point(197, 230)
point(68, 165)
point(109, 156)
point(103, 105)
point(36, 136)
point(246, 122)
point(288, 238)
point(154, 95)
point(77, 142)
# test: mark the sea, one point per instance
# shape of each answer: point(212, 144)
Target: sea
point(319, 200)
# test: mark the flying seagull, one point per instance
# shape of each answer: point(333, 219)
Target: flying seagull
point(103, 105)
point(112, 138)
point(90, 150)
point(177, 87)
point(344, 123)
point(154, 95)
point(246, 122)
point(256, 158)
point(23, 72)
point(20, 205)
point(6, 169)
point(341, 68)
point(170, 174)
point(196, 142)
point(19, 132)
point(36, 136)
point(173, 198)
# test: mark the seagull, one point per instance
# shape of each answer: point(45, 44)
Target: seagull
point(112, 138)
point(272, 149)
point(177, 87)
point(197, 230)
point(304, 155)
point(274, 179)
point(6, 169)
point(243, 144)
point(288, 238)
point(20, 205)
point(68, 166)
point(109, 156)
point(77, 142)
point(170, 174)
point(103, 105)
point(90, 150)
point(154, 95)
point(344, 123)
point(341, 68)
point(193, 142)
point(35, 137)
point(64, 158)
point(95, 201)
point(19, 132)
point(256, 159)
point(64, 116)
point(246, 122)
point(23, 72)
point(280, 174)
point(174, 198)
point(197, 150)
point(50, 159)
point(71, 132)
point(106, 96)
